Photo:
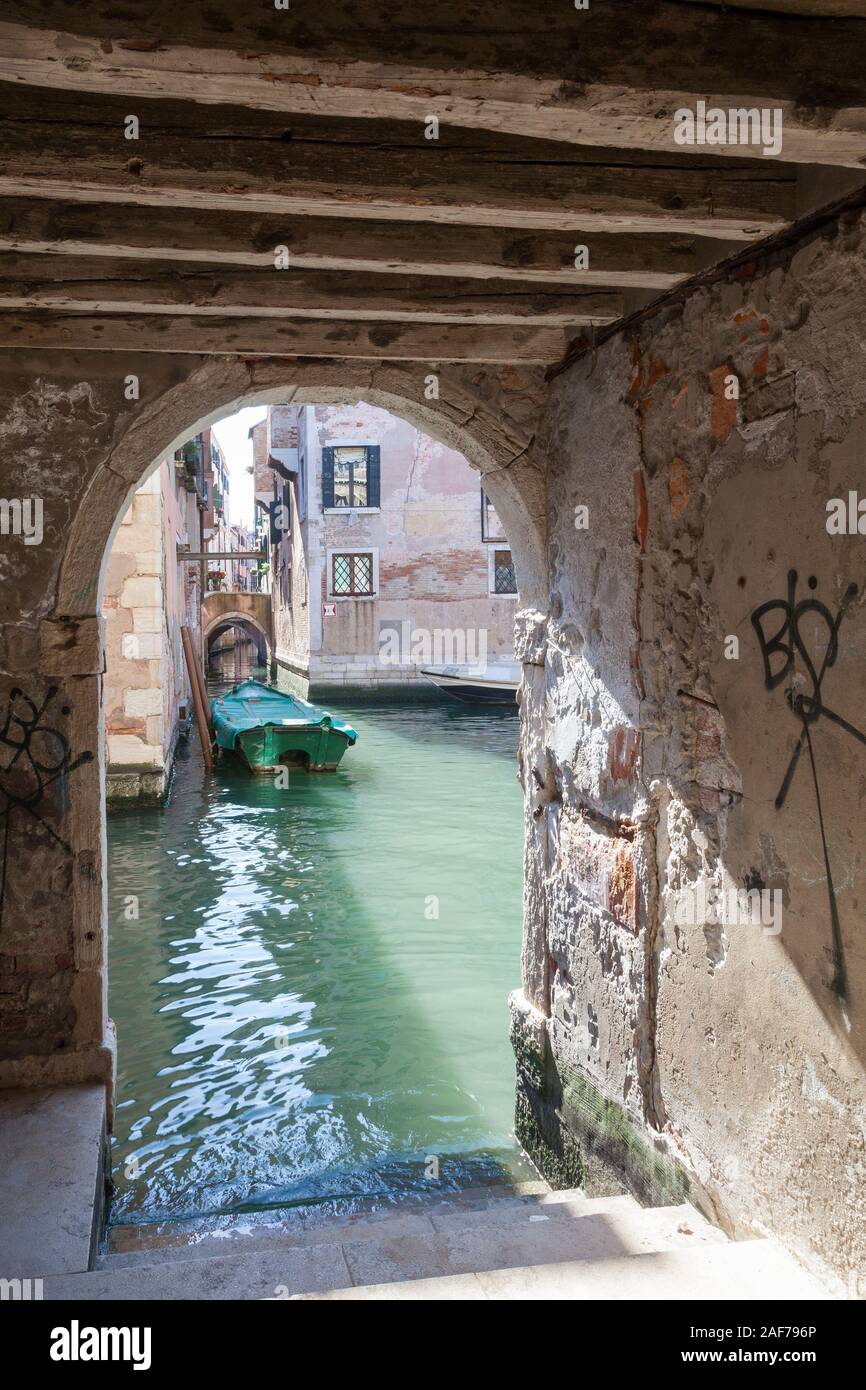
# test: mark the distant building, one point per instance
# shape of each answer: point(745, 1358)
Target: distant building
point(216, 532)
point(263, 496)
point(383, 553)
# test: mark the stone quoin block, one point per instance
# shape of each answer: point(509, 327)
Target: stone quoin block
point(147, 619)
point(71, 647)
point(142, 591)
point(126, 750)
point(141, 646)
point(142, 702)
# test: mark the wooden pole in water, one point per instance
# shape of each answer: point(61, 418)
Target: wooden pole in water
point(198, 703)
point(202, 686)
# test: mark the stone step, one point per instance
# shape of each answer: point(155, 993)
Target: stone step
point(53, 1149)
point(130, 1246)
point(749, 1270)
point(640, 1228)
point(571, 1231)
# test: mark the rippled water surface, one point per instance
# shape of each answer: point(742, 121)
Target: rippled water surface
point(312, 1002)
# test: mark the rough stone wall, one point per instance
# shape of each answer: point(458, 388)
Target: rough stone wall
point(665, 1041)
point(56, 428)
point(144, 604)
point(132, 606)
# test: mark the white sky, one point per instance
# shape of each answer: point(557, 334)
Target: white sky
point(238, 452)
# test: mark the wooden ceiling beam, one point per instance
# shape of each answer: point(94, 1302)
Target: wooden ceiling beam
point(38, 225)
point(234, 160)
point(267, 337)
point(96, 285)
point(613, 75)
point(809, 9)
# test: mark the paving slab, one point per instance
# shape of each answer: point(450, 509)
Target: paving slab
point(267, 1275)
point(481, 1248)
point(52, 1156)
point(288, 1236)
point(455, 1288)
point(753, 1270)
point(534, 1210)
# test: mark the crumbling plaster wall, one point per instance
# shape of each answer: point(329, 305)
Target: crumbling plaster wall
point(719, 1060)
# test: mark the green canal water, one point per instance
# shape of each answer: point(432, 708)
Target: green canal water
point(311, 1004)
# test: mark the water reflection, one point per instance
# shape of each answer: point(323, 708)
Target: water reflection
point(312, 1002)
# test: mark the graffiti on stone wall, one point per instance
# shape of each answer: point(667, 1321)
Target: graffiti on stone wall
point(780, 652)
point(35, 755)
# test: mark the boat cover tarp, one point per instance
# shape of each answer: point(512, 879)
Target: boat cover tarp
point(251, 705)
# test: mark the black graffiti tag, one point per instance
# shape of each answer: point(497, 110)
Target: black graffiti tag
point(37, 755)
point(783, 647)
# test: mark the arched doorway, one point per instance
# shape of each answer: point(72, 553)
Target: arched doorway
point(469, 415)
point(191, 854)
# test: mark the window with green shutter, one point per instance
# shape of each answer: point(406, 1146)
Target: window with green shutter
point(350, 476)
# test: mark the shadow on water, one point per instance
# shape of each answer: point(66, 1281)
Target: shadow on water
point(312, 999)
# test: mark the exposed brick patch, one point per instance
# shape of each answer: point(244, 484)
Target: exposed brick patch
point(623, 748)
point(723, 413)
point(601, 869)
point(681, 394)
point(621, 890)
point(708, 736)
point(657, 369)
point(637, 379)
point(678, 486)
point(126, 724)
point(641, 508)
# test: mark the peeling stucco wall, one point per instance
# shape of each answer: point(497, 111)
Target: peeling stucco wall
point(723, 1059)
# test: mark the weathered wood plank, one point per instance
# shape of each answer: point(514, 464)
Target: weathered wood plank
point(546, 71)
point(225, 158)
point(323, 243)
point(96, 285)
point(816, 9)
point(265, 337)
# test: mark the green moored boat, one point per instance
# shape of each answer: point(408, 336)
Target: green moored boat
point(270, 729)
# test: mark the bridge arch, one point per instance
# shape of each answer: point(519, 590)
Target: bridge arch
point(222, 611)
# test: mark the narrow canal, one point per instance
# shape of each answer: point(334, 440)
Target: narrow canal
point(311, 1003)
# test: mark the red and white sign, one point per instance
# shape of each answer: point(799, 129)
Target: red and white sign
point(329, 610)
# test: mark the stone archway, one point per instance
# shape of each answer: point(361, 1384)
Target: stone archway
point(98, 448)
point(245, 625)
point(470, 414)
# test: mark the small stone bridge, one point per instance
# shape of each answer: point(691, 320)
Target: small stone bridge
point(251, 612)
